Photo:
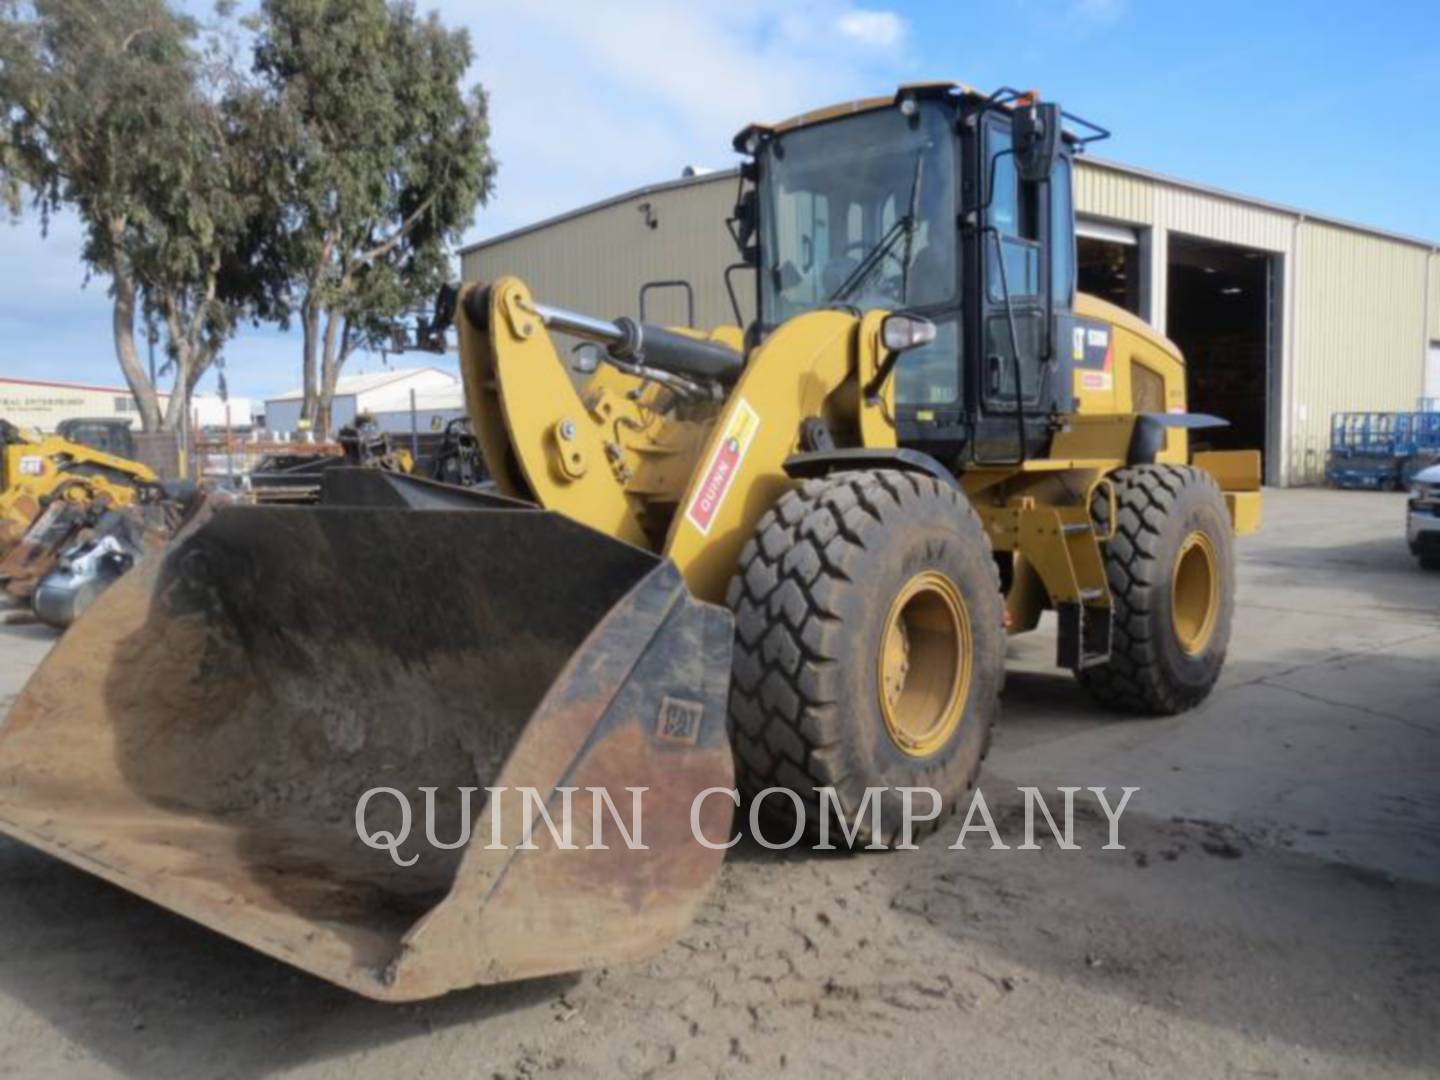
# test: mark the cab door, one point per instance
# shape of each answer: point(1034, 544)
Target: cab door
point(1026, 264)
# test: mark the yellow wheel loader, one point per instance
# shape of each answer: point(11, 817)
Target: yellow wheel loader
point(791, 550)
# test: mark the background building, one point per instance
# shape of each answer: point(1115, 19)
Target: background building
point(1284, 316)
point(30, 403)
point(385, 395)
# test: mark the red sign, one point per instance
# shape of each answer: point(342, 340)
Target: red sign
point(717, 482)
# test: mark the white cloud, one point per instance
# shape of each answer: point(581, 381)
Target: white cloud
point(587, 100)
point(878, 28)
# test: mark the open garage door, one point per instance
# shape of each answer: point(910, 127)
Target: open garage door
point(1109, 264)
point(1222, 310)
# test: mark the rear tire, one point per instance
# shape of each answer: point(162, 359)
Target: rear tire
point(869, 649)
point(1430, 562)
point(1171, 568)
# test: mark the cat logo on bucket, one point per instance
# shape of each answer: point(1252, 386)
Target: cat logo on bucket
point(724, 464)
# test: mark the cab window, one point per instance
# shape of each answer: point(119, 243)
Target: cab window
point(1062, 236)
point(1013, 253)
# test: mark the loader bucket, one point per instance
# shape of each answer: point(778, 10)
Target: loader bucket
point(204, 735)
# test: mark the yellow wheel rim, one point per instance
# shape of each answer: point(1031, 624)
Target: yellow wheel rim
point(1195, 593)
point(925, 664)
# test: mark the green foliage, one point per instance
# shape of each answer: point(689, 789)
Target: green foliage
point(133, 115)
point(327, 175)
point(385, 158)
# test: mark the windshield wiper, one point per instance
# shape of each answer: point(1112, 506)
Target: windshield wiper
point(905, 227)
point(857, 277)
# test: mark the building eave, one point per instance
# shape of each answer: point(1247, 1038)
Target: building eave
point(1090, 160)
point(1258, 203)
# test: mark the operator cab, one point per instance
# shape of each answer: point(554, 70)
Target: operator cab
point(108, 436)
point(941, 202)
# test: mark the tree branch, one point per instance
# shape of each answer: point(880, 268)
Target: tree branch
point(385, 246)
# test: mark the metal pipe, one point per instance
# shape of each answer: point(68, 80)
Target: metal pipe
point(581, 326)
point(414, 431)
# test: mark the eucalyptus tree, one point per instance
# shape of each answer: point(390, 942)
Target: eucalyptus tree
point(135, 117)
point(386, 157)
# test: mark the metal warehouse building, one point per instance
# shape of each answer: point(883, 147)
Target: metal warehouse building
point(1284, 316)
point(395, 398)
point(45, 405)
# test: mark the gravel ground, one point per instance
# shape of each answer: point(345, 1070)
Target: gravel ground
point(1273, 914)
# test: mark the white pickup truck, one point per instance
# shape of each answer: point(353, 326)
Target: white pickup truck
point(1422, 524)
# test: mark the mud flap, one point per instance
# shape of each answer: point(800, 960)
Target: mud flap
point(204, 734)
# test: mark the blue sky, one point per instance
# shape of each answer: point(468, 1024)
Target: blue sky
point(1330, 107)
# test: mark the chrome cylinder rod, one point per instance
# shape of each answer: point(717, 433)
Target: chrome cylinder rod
point(579, 325)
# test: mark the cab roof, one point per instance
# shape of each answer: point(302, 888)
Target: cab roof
point(931, 89)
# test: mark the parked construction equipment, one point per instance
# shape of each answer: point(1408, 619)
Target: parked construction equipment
point(298, 477)
point(800, 543)
point(1382, 451)
point(76, 511)
point(36, 470)
point(76, 550)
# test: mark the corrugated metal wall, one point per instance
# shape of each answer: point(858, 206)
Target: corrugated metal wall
point(1109, 194)
point(597, 261)
point(1434, 285)
point(1358, 341)
point(1352, 305)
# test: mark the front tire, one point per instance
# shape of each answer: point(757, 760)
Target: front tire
point(1171, 569)
point(869, 648)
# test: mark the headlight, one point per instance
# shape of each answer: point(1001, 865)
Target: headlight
point(901, 331)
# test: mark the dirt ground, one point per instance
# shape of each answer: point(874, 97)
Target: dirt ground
point(1276, 911)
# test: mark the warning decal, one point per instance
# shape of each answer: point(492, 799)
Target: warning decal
point(1093, 346)
point(724, 464)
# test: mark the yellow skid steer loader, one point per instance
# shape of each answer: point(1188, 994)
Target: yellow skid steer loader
point(38, 470)
point(790, 551)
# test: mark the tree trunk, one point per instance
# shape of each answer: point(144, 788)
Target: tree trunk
point(330, 371)
point(123, 326)
point(186, 376)
point(310, 325)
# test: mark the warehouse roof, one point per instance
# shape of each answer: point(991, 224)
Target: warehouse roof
point(398, 399)
point(348, 385)
point(1088, 159)
point(119, 390)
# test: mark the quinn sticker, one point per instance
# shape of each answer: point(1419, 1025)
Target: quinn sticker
point(1096, 380)
point(724, 464)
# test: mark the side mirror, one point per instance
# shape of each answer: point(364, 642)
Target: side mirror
point(585, 357)
point(1036, 130)
point(902, 331)
point(743, 223)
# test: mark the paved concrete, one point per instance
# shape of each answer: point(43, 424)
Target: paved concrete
point(1274, 913)
point(1324, 734)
